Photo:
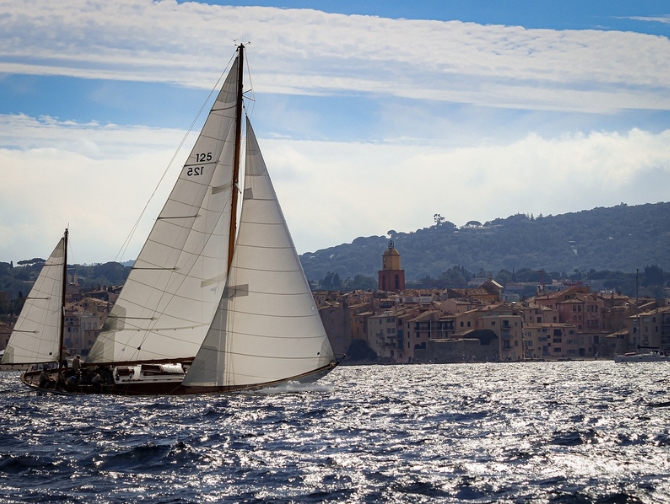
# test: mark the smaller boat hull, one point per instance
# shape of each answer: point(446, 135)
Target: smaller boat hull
point(636, 357)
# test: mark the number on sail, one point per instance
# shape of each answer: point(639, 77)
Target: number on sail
point(195, 170)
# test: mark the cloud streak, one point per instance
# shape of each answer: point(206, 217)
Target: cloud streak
point(307, 51)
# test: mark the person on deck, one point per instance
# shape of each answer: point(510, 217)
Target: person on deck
point(44, 377)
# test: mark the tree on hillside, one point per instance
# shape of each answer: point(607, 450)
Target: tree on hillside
point(653, 275)
point(17, 304)
point(456, 277)
point(360, 282)
point(30, 262)
point(503, 277)
point(4, 303)
point(331, 282)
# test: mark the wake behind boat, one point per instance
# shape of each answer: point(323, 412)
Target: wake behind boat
point(211, 305)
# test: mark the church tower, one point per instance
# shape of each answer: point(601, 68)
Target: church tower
point(391, 277)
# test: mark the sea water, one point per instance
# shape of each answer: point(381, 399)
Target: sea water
point(506, 432)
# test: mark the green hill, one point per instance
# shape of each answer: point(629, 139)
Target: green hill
point(622, 238)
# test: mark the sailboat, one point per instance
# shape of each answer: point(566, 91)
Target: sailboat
point(37, 337)
point(211, 305)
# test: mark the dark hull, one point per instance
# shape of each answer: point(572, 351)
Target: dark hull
point(31, 379)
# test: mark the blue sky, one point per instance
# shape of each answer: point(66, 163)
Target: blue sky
point(371, 115)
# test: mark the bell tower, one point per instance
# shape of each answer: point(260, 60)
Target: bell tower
point(391, 276)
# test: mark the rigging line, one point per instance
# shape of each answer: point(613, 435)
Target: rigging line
point(126, 243)
point(252, 98)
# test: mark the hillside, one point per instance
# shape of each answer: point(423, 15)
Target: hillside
point(622, 238)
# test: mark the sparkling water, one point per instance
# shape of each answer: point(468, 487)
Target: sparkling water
point(510, 432)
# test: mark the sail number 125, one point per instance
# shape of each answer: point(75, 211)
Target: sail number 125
point(200, 158)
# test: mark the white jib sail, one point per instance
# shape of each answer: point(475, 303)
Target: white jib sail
point(36, 334)
point(267, 327)
point(170, 296)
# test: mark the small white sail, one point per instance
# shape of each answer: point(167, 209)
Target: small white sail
point(170, 296)
point(267, 327)
point(36, 334)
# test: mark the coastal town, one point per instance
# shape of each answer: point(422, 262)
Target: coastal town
point(484, 322)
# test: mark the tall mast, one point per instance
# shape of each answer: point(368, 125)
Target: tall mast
point(62, 307)
point(238, 146)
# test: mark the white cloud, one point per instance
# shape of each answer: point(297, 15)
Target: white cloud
point(331, 192)
point(373, 188)
point(307, 51)
point(95, 179)
point(653, 19)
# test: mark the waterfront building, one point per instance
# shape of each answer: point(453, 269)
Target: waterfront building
point(418, 331)
point(505, 322)
point(650, 330)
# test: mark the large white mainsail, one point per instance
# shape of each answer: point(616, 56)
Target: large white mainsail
point(267, 327)
point(169, 298)
point(37, 333)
